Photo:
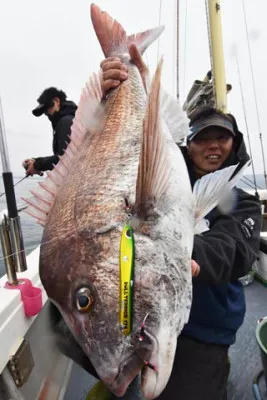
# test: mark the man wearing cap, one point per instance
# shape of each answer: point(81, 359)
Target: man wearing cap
point(54, 104)
point(220, 256)
point(223, 254)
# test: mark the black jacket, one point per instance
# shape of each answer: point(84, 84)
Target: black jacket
point(61, 123)
point(225, 253)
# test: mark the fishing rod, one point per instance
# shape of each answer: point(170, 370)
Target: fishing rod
point(255, 96)
point(22, 179)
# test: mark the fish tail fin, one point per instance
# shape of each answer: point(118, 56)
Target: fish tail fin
point(210, 190)
point(113, 38)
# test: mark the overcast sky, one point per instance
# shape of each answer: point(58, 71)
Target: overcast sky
point(52, 43)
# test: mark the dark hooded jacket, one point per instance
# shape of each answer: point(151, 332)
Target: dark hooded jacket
point(225, 253)
point(61, 123)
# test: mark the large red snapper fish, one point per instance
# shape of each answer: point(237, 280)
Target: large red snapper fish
point(121, 169)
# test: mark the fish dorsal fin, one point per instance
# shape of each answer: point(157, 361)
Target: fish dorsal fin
point(153, 170)
point(87, 117)
point(113, 38)
point(175, 118)
point(87, 121)
point(209, 190)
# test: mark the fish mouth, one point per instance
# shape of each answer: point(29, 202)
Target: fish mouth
point(131, 368)
point(127, 372)
point(144, 357)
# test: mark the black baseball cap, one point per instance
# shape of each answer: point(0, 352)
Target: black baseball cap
point(215, 119)
point(45, 100)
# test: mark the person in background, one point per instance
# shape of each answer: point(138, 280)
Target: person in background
point(221, 255)
point(60, 112)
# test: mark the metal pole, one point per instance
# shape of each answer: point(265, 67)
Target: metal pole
point(217, 56)
point(7, 251)
point(7, 174)
point(3, 143)
point(11, 235)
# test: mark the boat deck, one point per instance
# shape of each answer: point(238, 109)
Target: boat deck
point(244, 355)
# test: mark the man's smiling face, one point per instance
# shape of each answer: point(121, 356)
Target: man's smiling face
point(210, 148)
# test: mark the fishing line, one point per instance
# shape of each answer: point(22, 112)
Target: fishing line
point(246, 122)
point(147, 63)
point(160, 7)
point(248, 184)
point(176, 39)
point(255, 96)
point(185, 48)
point(48, 241)
point(251, 182)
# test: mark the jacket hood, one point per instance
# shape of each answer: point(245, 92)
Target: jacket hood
point(67, 108)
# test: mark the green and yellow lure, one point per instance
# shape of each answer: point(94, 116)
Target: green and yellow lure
point(126, 279)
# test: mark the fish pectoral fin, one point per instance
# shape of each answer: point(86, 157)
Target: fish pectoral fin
point(154, 167)
point(113, 38)
point(209, 190)
point(175, 118)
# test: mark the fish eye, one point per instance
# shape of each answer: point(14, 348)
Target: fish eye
point(84, 300)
